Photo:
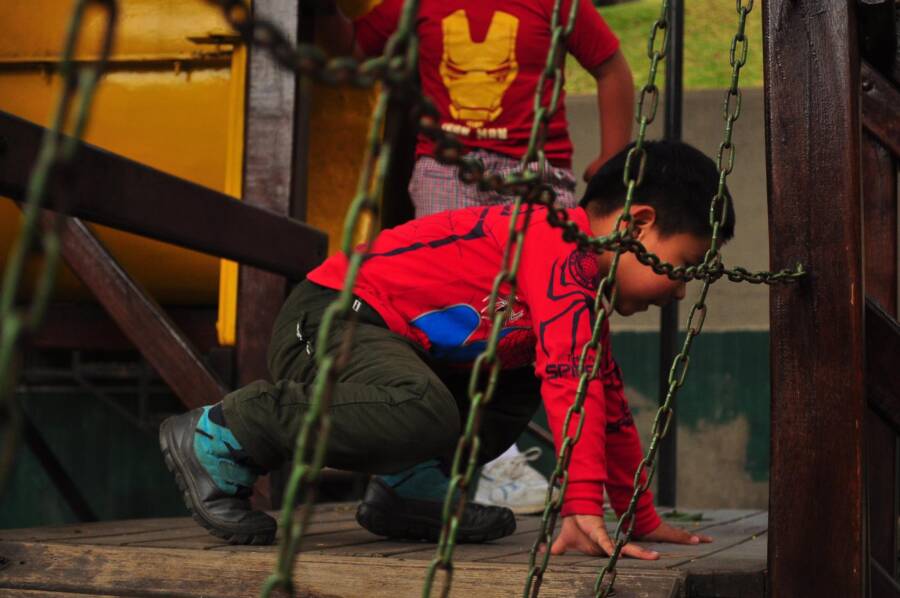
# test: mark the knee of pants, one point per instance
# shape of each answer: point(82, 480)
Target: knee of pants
point(430, 429)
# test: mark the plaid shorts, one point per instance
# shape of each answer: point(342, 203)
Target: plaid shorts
point(435, 187)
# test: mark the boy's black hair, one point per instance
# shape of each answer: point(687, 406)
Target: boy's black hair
point(679, 182)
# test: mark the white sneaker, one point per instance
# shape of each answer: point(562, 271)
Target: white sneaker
point(512, 483)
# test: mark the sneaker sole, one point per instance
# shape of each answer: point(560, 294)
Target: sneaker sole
point(411, 527)
point(176, 467)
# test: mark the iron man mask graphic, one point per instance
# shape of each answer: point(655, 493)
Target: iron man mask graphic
point(478, 74)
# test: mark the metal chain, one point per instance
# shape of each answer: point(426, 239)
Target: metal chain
point(718, 213)
point(633, 171)
point(481, 388)
point(396, 68)
point(56, 155)
point(308, 60)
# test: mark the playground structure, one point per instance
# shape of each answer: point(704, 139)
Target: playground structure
point(803, 135)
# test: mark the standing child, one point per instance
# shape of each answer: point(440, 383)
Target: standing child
point(421, 304)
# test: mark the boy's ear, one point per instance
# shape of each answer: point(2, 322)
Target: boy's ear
point(643, 217)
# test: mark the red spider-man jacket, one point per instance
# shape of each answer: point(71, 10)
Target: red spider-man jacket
point(431, 279)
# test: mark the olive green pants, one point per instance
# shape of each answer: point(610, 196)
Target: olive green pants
point(391, 407)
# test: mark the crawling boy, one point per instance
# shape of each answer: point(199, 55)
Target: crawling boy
point(421, 307)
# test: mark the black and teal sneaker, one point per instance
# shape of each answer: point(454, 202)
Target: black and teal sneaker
point(215, 476)
point(409, 506)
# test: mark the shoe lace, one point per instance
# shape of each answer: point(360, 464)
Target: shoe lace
point(514, 467)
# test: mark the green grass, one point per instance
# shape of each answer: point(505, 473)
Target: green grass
point(709, 26)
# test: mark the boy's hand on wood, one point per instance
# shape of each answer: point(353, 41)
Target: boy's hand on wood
point(587, 534)
point(674, 535)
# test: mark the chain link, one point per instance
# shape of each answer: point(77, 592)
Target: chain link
point(603, 586)
point(54, 160)
point(632, 175)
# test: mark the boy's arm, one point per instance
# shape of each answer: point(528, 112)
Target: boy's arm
point(552, 278)
point(615, 105)
point(624, 454)
point(596, 48)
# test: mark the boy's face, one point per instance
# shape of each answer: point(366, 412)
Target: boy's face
point(640, 287)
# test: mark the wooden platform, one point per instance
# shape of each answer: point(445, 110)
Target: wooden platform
point(175, 557)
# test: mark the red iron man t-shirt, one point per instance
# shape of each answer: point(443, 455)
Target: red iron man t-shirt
point(480, 62)
point(430, 280)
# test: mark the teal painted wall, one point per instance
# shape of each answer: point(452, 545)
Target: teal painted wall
point(115, 463)
point(723, 412)
point(728, 379)
point(722, 409)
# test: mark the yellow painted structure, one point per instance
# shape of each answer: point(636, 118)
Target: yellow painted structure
point(172, 98)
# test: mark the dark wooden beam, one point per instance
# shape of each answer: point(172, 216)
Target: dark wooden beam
point(267, 182)
point(882, 359)
point(816, 543)
point(879, 180)
point(130, 196)
point(881, 108)
point(275, 168)
point(138, 316)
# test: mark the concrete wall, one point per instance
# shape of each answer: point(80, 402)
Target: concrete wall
point(723, 409)
point(702, 126)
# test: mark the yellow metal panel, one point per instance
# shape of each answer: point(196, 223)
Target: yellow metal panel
point(35, 29)
point(226, 325)
point(174, 123)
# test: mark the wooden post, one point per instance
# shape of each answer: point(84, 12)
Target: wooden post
point(268, 168)
point(880, 226)
point(816, 545)
point(275, 140)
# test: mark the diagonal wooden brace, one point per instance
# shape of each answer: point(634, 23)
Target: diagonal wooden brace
point(880, 108)
point(140, 318)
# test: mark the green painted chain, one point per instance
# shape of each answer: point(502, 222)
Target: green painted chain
point(55, 156)
point(717, 215)
point(526, 185)
point(481, 388)
point(399, 66)
point(308, 60)
point(633, 170)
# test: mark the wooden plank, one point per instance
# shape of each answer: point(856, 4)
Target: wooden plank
point(880, 218)
point(879, 179)
point(725, 536)
point(130, 196)
point(737, 571)
point(882, 357)
point(139, 316)
point(92, 530)
point(63, 568)
point(813, 149)
point(44, 593)
point(267, 182)
point(881, 108)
